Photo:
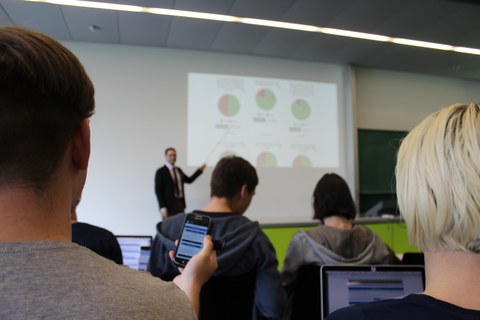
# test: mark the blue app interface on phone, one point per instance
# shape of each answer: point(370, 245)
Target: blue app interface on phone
point(192, 240)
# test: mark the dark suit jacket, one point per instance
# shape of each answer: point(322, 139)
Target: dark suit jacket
point(165, 190)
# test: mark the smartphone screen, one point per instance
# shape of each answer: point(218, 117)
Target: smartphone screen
point(196, 227)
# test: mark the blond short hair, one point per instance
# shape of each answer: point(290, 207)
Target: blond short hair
point(438, 180)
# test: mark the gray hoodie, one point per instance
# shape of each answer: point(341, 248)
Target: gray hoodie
point(244, 247)
point(326, 245)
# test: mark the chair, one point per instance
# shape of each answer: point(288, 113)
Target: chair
point(228, 297)
point(413, 258)
point(306, 297)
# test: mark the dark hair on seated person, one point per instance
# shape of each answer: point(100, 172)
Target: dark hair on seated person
point(332, 197)
point(230, 174)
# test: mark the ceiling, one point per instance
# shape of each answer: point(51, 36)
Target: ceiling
point(452, 22)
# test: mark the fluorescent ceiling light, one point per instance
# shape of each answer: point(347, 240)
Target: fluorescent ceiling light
point(467, 50)
point(259, 22)
point(355, 34)
point(278, 24)
point(423, 44)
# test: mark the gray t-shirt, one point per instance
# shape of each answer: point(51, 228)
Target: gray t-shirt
point(61, 280)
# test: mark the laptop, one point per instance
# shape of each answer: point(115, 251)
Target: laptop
point(135, 251)
point(344, 286)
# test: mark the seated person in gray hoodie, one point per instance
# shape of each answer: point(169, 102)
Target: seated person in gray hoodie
point(336, 240)
point(244, 246)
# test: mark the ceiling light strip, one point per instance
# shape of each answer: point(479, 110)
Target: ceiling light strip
point(278, 24)
point(259, 22)
point(355, 34)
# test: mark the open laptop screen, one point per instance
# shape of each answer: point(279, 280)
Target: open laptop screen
point(135, 251)
point(344, 286)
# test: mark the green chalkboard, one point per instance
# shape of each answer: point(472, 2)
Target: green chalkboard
point(377, 154)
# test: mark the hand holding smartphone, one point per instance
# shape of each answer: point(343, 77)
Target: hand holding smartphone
point(195, 228)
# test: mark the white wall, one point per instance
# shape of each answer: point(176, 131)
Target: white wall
point(388, 100)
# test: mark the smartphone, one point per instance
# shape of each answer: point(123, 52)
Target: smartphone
point(195, 228)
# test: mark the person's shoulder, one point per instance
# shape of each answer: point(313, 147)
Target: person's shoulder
point(137, 285)
point(305, 233)
point(160, 173)
point(369, 311)
point(349, 313)
point(362, 228)
point(176, 219)
point(251, 226)
point(90, 226)
point(172, 225)
point(97, 286)
point(364, 233)
point(230, 219)
point(150, 295)
point(245, 220)
point(162, 169)
point(91, 230)
point(318, 234)
point(233, 224)
point(412, 307)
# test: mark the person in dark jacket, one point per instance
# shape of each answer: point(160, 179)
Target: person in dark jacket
point(244, 246)
point(169, 185)
point(99, 240)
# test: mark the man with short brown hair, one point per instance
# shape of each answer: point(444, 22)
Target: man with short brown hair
point(46, 99)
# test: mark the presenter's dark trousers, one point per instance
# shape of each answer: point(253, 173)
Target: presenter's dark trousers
point(177, 207)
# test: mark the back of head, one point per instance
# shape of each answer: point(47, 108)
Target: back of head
point(44, 95)
point(230, 174)
point(438, 180)
point(332, 197)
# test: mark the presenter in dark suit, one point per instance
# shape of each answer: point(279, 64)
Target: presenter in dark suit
point(169, 181)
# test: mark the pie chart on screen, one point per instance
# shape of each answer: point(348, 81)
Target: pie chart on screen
point(301, 109)
point(267, 159)
point(229, 105)
point(266, 99)
point(302, 162)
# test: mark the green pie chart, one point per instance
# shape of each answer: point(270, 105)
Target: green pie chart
point(266, 159)
point(229, 105)
point(301, 109)
point(265, 99)
point(302, 162)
